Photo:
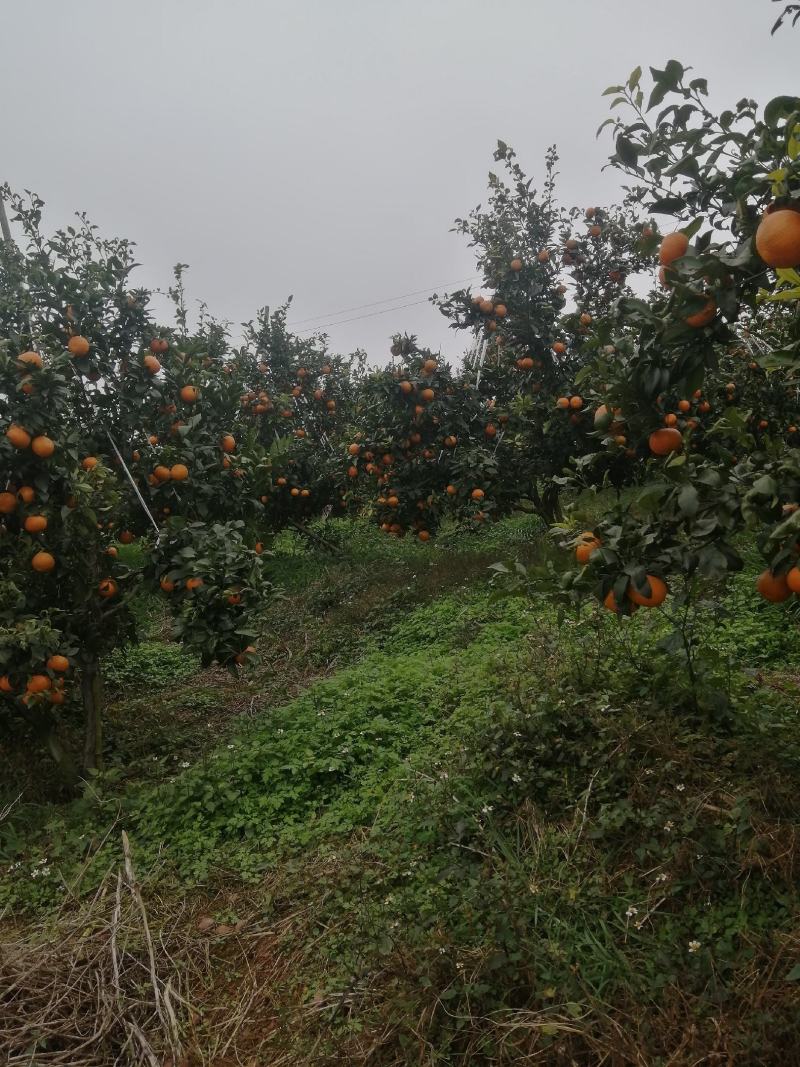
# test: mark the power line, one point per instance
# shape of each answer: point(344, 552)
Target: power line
point(375, 303)
point(355, 318)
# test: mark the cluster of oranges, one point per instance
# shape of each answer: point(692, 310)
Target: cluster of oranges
point(41, 686)
point(587, 544)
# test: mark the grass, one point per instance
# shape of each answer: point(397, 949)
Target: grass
point(442, 825)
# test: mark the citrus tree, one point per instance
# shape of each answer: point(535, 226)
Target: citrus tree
point(699, 378)
point(110, 429)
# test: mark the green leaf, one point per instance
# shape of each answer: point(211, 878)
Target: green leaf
point(633, 80)
point(688, 501)
point(780, 107)
point(613, 89)
point(627, 151)
point(794, 974)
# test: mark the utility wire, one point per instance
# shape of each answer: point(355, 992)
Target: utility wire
point(375, 303)
point(355, 318)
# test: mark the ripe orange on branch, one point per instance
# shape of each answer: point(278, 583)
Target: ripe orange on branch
point(665, 440)
point(774, 588)
point(673, 247)
point(778, 239)
point(78, 346)
point(18, 437)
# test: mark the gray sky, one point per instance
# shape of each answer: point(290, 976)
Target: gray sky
point(323, 147)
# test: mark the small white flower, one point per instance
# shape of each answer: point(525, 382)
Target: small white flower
point(154, 758)
point(662, 877)
point(517, 733)
point(185, 763)
point(669, 826)
point(694, 946)
point(487, 808)
point(231, 746)
point(279, 730)
point(459, 966)
point(516, 778)
point(629, 914)
point(648, 770)
point(680, 787)
point(444, 774)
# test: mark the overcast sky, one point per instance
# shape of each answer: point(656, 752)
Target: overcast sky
point(323, 147)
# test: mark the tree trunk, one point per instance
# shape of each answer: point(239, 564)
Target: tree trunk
point(46, 729)
point(548, 504)
point(93, 700)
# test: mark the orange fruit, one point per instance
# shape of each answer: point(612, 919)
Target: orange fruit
point(89, 463)
point(167, 585)
point(576, 403)
point(151, 364)
point(490, 430)
point(58, 663)
point(773, 588)
point(586, 318)
point(427, 395)
point(331, 405)
point(179, 472)
point(43, 446)
point(658, 593)
point(193, 583)
point(258, 548)
point(189, 394)
point(423, 535)
point(43, 562)
point(107, 588)
point(159, 344)
point(451, 490)
point(35, 523)
point(352, 472)
point(559, 347)
point(38, 683)
point(684, 405)
point(673, 247)
point(704, 316)
point(228, 443)
point(562, 402)
point(295, 491)
point(793, 579)
point(501, 311)
point(595, 230)
point(5, 684)
point(162, 474)
point(543, 256)
point(516, 264)
point(241, 659)
point(78, 346)
point(8, 503)
point(429, 366)
point(587, 543)
point(665, 441)
point(26, 360)
point(406, 387)
point(670, 420)
point(704, 407)
point(305, 492)
point(477, 494)
point(393, 501)
point(778, 239)
point(18, 437)
point(112, 551)
point(127, 537)
point(26, 494)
